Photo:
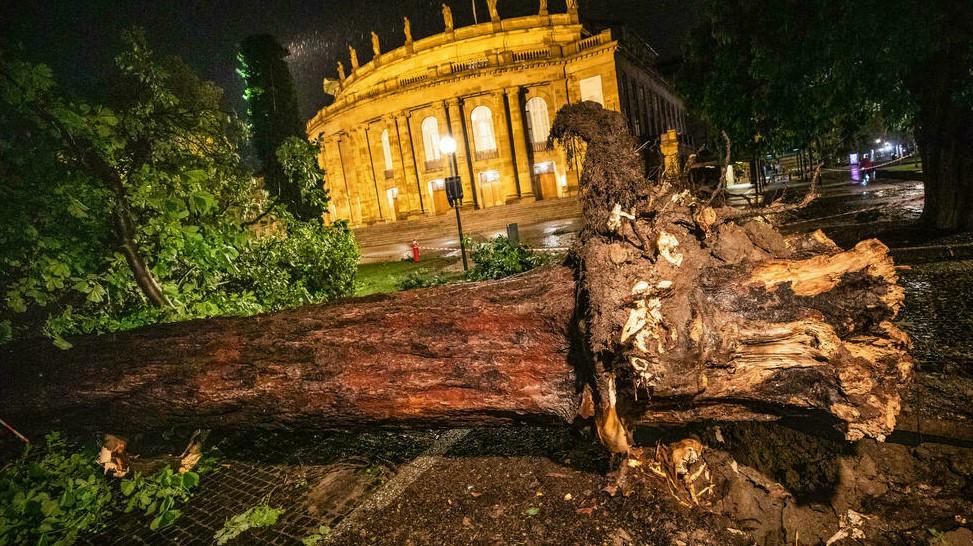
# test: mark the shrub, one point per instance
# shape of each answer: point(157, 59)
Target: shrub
point(309, 263)
point(421, 278)
point(500, 258)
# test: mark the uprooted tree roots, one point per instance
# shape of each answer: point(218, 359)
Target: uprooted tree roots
point(691, 312)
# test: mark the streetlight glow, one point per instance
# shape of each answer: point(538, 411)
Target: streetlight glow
point(447, 145)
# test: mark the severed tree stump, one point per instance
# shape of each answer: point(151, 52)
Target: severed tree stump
point(669, 310)
point(690, 311)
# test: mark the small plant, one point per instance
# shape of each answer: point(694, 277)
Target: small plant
point(314, 538)
point(421, 278)
point(158, 494)
point(261, 515)
point(500, 258)
point(51, 499)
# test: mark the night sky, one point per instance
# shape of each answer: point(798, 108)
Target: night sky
point(79, 39)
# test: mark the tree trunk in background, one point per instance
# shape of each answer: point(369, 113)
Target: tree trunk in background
point(944, 134)
point(947, 163)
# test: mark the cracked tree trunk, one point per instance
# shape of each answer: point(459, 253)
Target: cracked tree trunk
point(670, 311)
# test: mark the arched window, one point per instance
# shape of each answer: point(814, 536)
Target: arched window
point(538, 120)
point(430, 138)
point(483, 138)
point(387, 152)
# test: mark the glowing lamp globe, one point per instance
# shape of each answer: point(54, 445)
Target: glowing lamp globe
point(447, 145)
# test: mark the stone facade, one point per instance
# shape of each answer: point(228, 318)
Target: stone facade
point(495, 87)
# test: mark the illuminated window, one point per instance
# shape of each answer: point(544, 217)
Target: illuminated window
point(430, 138)
point(483, 137)
point(544, 168)
point(488, 177)
point(387, 150)
point(538, 120)
point(591, 90)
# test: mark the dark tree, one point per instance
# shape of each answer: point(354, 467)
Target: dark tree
point(789, 74)
point(273, 115)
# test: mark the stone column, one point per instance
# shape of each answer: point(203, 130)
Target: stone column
point(463, 162)
point(410, 177)
point(508, 175)
point(345, 150)
point(333, 183)
point(371, 202)
point(562, 97)
point(518, 136)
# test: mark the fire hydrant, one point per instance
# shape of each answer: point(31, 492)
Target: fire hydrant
point(415, 251)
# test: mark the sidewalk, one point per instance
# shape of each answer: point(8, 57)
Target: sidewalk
point(542, 223)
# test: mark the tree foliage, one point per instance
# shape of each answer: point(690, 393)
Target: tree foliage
point(501, 257)
point(152, 178)
point(778, 75)
point(52, 496)
point(273, 117)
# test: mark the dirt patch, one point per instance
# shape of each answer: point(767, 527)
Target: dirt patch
point(532, 486)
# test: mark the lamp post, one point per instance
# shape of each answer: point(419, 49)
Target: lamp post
point(454, 190)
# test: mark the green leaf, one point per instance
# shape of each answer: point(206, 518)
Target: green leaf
point(190, 480)
point(127, 487)
point(60, 269)
point(532, 511)
point(61, 343)
point(202, 201)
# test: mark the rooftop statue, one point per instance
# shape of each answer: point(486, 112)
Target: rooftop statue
point(543, 11)
point(448, 18)
point(572, 6)
point(407, 27)
point(492, 6)
point(341, 72)
point(376, 47)
point(354, 57)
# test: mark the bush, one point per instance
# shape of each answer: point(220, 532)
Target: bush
point(52, 498)
point(421, 278)
point(501, 258)
point(310, 263)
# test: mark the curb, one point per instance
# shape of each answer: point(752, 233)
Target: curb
point(933, 253)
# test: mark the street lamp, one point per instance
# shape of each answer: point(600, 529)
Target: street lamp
point(454, 190)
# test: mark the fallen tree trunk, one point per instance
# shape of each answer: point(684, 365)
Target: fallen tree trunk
point(670, 311)
point(472, 354)
point(486, 353)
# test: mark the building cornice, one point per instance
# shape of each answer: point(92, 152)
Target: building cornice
point(500, 62)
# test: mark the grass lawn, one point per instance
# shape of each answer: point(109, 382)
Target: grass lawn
point(907, 166)
point(378, 278)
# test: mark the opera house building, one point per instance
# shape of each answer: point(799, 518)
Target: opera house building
point(494, 87)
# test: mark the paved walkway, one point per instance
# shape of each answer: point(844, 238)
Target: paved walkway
point(540, 224)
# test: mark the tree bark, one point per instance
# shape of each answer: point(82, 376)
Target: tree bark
point(944, 134)
point(486, 353)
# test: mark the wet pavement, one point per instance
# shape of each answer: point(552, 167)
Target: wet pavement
point(547, 235)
